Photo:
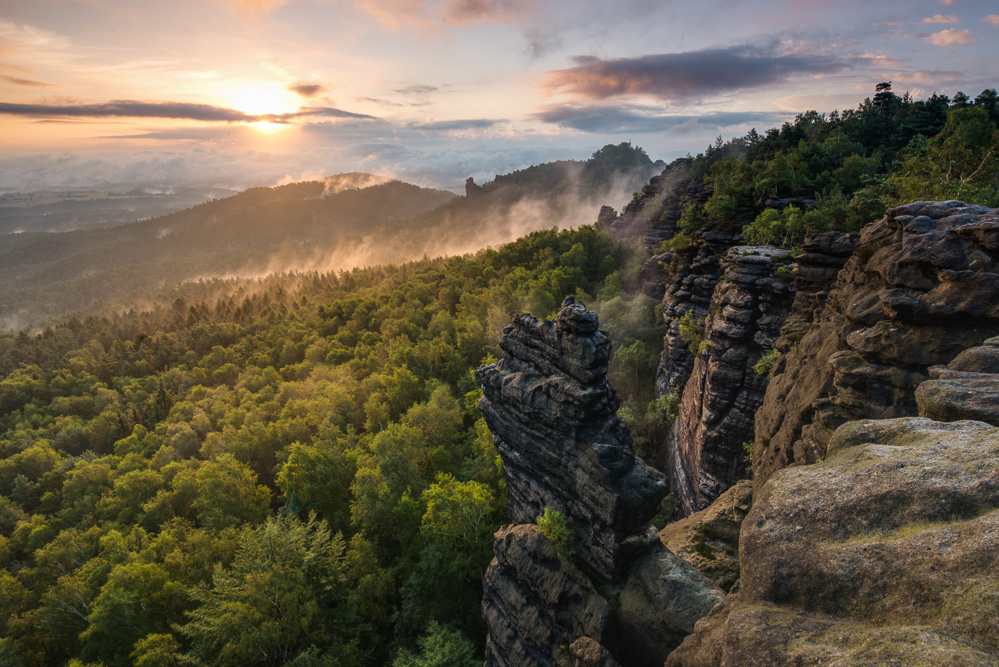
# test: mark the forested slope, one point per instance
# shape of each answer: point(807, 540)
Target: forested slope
point(289, 474)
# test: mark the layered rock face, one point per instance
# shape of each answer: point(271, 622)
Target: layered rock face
point(883, 553)
point(553, 416)
point(748, 307)
point(922, 285)
point(688, 295)
point(966, 388)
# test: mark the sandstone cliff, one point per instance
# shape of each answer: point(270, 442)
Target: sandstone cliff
point(883, 553)
point(748, 307)
point(922, 285)
point(553, 416)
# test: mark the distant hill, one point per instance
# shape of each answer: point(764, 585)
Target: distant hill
point(336, 224)
point(44, 274)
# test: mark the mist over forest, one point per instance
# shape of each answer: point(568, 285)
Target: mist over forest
point(250, 431)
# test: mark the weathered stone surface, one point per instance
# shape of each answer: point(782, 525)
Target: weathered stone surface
point(967, 388)
point(693, 277)
point(886, 552)
point(535, 603)
point(920, 288)
point(654, 275)
point(747, 310)
point(589, 653)
point(658, 605)
point(709, 539)
point(553, 415)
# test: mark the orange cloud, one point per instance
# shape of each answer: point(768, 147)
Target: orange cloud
point(255, 7)
point(940, 18)
point(431, 13)
point(950, 37)
point(880, 59)
point(992, 19)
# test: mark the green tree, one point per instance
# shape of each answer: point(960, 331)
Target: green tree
point(283, 594)
point(440, 647)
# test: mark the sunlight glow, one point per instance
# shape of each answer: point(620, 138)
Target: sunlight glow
point(267, 126)
point(261, 98)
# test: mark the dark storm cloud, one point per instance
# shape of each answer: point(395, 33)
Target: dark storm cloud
point(686, 76)
point(635, 119)
point(452, 125)
point(307, 89)
point(181, 110)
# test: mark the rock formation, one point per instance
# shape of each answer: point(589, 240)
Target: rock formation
point(967, 388)
point(553, 416)
point(709, 539)
point(472, 189)
point(883, 550)
point(922, 285)
point(745, 315)
point(653, 214)
point(883, 553)
point(694, 274)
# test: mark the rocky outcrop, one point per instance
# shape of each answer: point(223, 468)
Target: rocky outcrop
point(654, 275)
point(922, 285)
point(694, 272)
point(815, 271)
point(553, 416)
point(883, 553)
point(709, 539)
point(967, 388)
point(472, 189)
point(535, 603)
point(653, 213)
point(745, 315)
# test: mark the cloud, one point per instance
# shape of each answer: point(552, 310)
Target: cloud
point(608, 119)
point(950, 37)
point(307, 89)
point(992, 19)
point(927, 78)
point(178, 110)
point(946, 3)
point(25, 82)
point(680, 77)
point(940, 18)
point(254, 7)
point(456, 125)
point(879, 59)
point(415, 90)
point(431, 14)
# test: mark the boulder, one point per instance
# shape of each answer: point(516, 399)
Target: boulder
point(883, 553)
point(709, 539)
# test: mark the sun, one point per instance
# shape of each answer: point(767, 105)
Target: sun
point(258, 99)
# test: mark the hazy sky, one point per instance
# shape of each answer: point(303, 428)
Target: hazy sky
point(255, 92)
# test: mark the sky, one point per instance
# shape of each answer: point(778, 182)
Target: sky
point(239, 93)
